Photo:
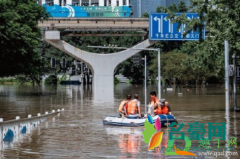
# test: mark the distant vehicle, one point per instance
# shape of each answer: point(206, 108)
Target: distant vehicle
point(87, 8)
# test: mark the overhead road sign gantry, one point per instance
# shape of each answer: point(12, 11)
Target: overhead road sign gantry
point(162, 28)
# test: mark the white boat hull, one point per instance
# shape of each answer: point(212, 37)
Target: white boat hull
point(118, 121)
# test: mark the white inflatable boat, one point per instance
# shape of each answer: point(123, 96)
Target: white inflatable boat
point(119, 121)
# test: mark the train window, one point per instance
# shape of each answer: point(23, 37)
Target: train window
point(93, 14)
point(85, 2)
point(62, 2)
point(117, 3)
point(75, 2)
point(49, 3)
point(97, 14)
point(101, 14)
point(124, 2)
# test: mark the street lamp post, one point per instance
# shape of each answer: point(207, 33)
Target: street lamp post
point(159, 75)
point(145, 82)
point(234, 82)
point(146, 49)
point(226, 74)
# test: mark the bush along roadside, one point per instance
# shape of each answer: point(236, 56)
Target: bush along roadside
point(8, 80)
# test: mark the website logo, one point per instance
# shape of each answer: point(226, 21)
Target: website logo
point(216, 132)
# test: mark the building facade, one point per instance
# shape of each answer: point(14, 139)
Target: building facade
point(151, 5)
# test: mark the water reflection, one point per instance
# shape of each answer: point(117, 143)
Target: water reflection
point(227, 112)
point(129, 139)
point(103, 94)
point(79, 131)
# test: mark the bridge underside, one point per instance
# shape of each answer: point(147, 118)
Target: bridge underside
point(102, 65)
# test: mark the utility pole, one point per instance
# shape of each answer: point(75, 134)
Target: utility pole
point(226, 46)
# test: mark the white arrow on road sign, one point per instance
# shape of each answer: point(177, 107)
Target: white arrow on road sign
point(160, 23)
point(170, 25)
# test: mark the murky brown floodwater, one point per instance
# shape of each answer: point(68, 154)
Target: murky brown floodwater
point(79, 132)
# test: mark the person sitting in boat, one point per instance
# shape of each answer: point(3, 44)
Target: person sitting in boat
point(165, 108)
point(133, 109)
point(154, 105)
point(123, 104)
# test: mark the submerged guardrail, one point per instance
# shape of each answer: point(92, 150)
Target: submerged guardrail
point(12, 130)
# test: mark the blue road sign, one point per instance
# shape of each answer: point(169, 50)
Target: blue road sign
point(161, 28)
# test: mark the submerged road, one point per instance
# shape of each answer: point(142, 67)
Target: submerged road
point(79, 132)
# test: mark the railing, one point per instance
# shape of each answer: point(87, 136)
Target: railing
point(95, 23)
point(13, 130)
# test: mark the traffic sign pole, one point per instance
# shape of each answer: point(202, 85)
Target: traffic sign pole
point(145, 82)
point(234, 82)
point(226, 46)
point(159, 74)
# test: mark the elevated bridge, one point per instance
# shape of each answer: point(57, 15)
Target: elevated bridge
point(102, 65)
point(100, 24)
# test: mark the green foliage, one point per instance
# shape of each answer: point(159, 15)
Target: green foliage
point(203, 59)
point(19, 37)
point(182, 8)
point(7, 80)
point(172, 65)
point(172, 8)
point(49, 52)
point(23, 53)
point(116, 80)
point(145, 15)
point(161, 9)
point(51, 80)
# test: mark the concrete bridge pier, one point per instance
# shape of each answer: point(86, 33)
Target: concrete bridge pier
point(102, 65)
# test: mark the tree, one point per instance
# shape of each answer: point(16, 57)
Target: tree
point(145, 15)
point(172, 66)
point(200, 59)
point(204, 62)
point(182, 8)
point(19, 37)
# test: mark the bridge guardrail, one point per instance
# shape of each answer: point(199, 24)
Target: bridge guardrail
point(13, 130)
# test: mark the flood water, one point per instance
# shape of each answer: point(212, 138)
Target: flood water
point(79, 132)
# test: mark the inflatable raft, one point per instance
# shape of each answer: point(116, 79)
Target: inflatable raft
point(119, 121)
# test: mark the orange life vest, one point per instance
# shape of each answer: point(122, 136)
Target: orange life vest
point(158, 111)
point(132, 107)
point(165, 110)
point(161, 110)
point(122, 104)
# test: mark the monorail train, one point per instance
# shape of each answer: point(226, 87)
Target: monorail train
point(87, 8)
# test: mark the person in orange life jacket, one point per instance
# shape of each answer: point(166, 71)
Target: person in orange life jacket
point(165, 108)
point(124, 104)
point(133, 109)
point(154, 103)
